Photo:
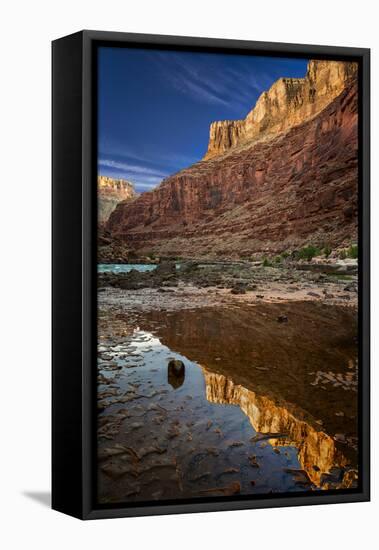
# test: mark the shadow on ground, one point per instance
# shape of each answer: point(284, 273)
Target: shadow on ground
point(41, 497)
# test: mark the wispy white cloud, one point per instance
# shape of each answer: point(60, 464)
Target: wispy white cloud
point(114, 148)
point(152, 156)
point(130, 168)
point(208, 82)
point(198, 89)
point(143, 178)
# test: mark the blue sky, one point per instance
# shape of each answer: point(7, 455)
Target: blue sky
point(155, 106)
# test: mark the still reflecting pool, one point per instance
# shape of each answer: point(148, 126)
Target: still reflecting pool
point(216, 402)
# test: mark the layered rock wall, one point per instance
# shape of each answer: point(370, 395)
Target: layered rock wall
point(299, 187)
point(110, 193)
point(287, 103)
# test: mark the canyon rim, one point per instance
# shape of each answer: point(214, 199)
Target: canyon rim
point(227, 276)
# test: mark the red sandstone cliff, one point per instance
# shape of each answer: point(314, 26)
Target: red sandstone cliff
point(292, 181)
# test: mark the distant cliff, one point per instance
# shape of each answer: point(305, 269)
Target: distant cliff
point(285, 178)
point(110, 193)
point(288, 102)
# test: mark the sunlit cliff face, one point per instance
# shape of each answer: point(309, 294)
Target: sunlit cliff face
point(289, 102)
point(317, 452)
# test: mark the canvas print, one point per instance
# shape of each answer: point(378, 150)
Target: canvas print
point(227, 252)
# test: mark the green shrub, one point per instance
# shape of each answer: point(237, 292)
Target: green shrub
point(327, 251)
point(266, 262)
point(352, 251)
point(285, 255)
point(277, 259)
point(308, 253)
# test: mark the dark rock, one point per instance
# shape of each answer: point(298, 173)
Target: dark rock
point(188, 267)
point(175, 373)
point(251, 287)
point(352, 287)
point(238, 290)
point(253, 461)
point(165, 269)
point(282, 319)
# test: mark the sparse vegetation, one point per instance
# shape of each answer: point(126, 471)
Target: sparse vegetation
point(327, 251)
point(340, 276)
point(351, 252)
point(266, 262)
point(307, 253)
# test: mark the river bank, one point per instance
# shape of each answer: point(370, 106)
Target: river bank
point(194, 284)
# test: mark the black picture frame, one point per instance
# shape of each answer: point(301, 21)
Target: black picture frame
point(74, 271)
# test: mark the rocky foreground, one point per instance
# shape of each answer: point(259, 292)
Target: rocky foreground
point(195, 284)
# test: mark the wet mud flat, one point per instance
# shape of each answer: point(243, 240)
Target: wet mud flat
point(267, 400)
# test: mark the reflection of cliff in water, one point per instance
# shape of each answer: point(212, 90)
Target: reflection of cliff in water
point(298, 377)
point(317, 451)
